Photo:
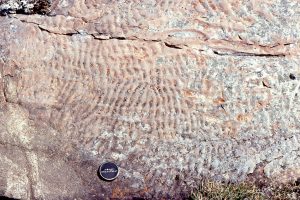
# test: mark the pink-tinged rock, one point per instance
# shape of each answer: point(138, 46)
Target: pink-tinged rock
point(170, 91)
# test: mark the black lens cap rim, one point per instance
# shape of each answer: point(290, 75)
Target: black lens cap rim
point(108, 179)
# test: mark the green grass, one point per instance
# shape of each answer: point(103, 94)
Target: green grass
point(212, 190)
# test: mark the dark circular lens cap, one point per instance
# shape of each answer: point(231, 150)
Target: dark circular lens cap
point(109, 171)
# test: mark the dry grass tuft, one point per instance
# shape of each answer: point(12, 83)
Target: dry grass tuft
point(212, 190)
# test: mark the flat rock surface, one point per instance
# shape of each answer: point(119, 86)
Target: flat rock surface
point(169, 90)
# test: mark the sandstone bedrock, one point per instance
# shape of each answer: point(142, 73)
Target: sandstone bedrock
point(170, 90)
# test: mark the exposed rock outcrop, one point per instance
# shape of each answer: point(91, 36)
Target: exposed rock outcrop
point(171, 91)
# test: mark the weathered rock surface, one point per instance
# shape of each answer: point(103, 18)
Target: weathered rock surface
point(25, 6)
point(171, 91)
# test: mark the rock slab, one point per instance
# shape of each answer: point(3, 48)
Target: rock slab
point(170, 91)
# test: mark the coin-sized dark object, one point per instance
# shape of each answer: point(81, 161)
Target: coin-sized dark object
point(108, 171)
point(292, 76)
